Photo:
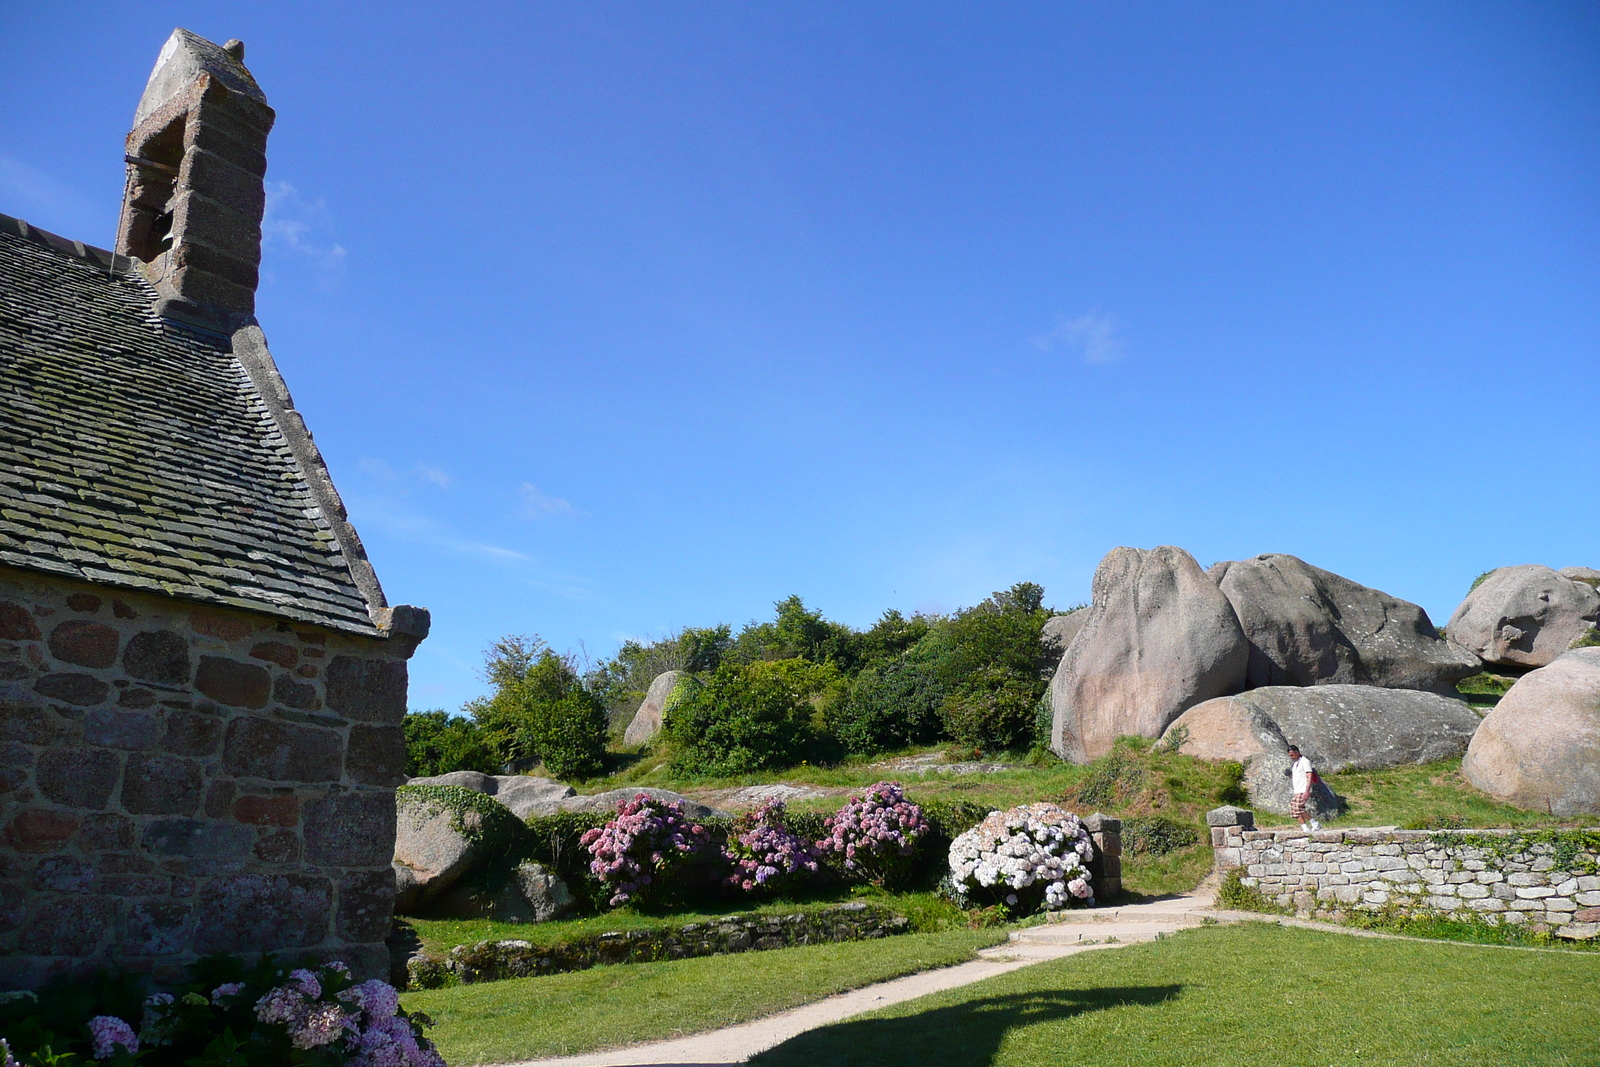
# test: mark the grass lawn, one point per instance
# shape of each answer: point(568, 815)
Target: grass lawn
point(565, 1014)
point(1242, 995)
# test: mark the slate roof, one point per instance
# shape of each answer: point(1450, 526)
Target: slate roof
point(137, 452)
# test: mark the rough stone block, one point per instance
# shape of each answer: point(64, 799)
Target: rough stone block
point(191, 733)
point(1587, 915)
point(41, 830)
point(281, 810)
point(285, 656)
point(159, 656)
point(16, 622)
point(162, 785)
point(1534, 892)
point(106, 832)
point(228, 681)
point(376, 755)
point(198, 838)
point(67, 925)
point(85, 644)
point(367, 690)
point(156, 927)
point(1473, 891)
point(25, 719)
point(1229, 815)
point(1560, 904)
point(133, 730)
point(351, 829)
point(366, 902)
point(281, 752)
point(280, 847)
point(63, 874)
point(262, 912)
point(302, 695)
point(78, 777)
point(83, 690)
point(1578, 931)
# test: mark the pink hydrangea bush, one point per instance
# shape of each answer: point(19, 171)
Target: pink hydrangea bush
point(765, 853)
point(1029, 857)
point(876, 834)
point(632, 853)
point(314, 1017)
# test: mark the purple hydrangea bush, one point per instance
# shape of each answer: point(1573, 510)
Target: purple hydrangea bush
point(876, 834)
point(634, 851)
point(315, 1017)
point(765, 853)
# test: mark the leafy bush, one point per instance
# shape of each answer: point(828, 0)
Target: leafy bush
point(1235, 895)
point(438, 743)
point(742, 718)
point(876, 834)
point(1023, 859)
point(1156, 835)
point(996, 709)
point(633, 852)
point(766, 854)
point(228, 1015)
point(541, 710)
point(889, 706)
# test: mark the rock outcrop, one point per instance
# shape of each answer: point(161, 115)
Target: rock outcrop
point(1526, 616)
point(532, 893)
point(1540, 746)
point(1159, 637)
point(434, 845)
point(1338, 727)
point(652, 710)
point(525, 795)
point(1586, 575)
point(1057, 635)
point(608, 801)
point(1308, 626)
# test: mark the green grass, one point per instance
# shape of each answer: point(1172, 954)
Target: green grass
point(1417, 796)
point(1239, 996)
point(565, 1014)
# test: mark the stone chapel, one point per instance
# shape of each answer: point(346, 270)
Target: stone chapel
point(201, 682)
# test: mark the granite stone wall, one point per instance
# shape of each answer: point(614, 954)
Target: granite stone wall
point(489, 961)
point(178, 780)
point(1105, 868)
point(1458, 874)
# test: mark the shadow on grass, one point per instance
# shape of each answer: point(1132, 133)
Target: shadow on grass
point(962, 1035)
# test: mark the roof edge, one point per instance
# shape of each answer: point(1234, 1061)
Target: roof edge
point(89, 253)
point(250, 349)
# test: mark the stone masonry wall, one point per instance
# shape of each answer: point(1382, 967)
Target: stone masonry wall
point(178, 780)
point(490, 961)
point(1327, 873)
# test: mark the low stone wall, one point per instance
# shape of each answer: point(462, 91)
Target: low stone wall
point(1496, 875)
point(490, 961)
point(1105, 868)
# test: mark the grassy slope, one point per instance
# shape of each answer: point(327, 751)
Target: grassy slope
point(1241, 996)
point(565, 1014)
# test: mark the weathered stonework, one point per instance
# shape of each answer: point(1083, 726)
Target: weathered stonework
point(173, 783)
point(1328, 873)
point(1105, 868)
point(489, 961)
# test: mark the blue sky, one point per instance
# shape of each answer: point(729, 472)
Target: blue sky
point(612, 318)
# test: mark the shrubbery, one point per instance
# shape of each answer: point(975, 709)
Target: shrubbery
point(876, 834)
point(438, 743)
point(633, 852)
point(228, 1015)
point(541, 710)
point(742, 718)
point(766, 854)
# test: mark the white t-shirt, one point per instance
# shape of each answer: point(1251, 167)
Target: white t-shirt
point(1301, 771)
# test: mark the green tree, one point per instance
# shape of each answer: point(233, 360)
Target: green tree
point(438, 743)
point(743, 718)
point(540, 709)
point(797, 632)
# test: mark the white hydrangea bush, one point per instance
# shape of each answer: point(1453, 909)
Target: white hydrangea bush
point(1030, 857)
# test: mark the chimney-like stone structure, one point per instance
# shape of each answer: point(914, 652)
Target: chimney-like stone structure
point(191, 215)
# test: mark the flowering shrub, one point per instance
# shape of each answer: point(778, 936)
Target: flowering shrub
point(1025, 858)
point(265, 1017)
point(765, 853)
point(876, 833)
point(633, 851)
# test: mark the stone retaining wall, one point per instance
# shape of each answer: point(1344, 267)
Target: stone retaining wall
point(1327, 873)
point(490, 961)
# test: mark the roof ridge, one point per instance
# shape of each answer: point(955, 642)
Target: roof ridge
point(92, 253)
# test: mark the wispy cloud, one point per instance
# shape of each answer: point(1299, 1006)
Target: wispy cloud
point(1095, 334)
point(537, 505)
point(433, 474)
point(298, 225)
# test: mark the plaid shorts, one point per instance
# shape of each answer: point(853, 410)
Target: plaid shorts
point(1297, 806)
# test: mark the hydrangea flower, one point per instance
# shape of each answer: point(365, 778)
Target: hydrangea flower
point(1037, 851)
point(634, 849)
point(107, 1032)
point(876, 833)
point(6, 1059)
point(764, 851)
point(227, 989)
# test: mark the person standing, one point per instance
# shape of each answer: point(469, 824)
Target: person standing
point(1302, 776)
